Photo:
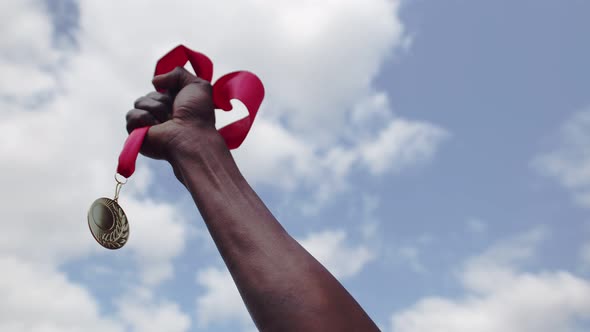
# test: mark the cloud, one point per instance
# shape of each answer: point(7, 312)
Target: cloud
point(283, 154)
point(569, 163)
point(38, 298)
point(401, 144)
point(497, 264)
point(54, 176)
point(61, 156)
point(298, 49)
point(500, 297)
point(340, 258)
point(159, 234)
point(221, 303)
point(28, 55)
point(59, 146)
point(142, 314)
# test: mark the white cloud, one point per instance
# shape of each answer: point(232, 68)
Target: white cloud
point(38, 298)
point(299, 49)
point(541, 302)
point(496, 265)
point(28, 58)
point(339, 257)
point(142, 314)
point(500, 297)
point(62, 156)
point(158, 235)
point(401, 144)
point(57, 167)
point(57, 160)
point(570, 162)
point(283, 161)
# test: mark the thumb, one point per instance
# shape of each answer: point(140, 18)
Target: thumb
point(174, 80)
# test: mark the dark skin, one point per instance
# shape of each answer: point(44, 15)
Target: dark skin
point(282, 285)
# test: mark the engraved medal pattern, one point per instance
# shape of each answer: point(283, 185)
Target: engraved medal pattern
point(108, 223)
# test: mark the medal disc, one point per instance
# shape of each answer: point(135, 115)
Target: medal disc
point(108, 223)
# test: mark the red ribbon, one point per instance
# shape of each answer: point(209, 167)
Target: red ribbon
point(241, 85)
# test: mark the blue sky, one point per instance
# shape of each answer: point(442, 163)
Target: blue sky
point(435, 156)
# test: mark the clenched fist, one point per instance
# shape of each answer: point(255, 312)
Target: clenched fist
point(181, 115)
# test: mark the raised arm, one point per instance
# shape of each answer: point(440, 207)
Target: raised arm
point(282, 285)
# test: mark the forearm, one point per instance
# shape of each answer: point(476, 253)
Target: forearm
point(283, 286)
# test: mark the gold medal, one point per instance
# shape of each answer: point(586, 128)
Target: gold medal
point(107, 221)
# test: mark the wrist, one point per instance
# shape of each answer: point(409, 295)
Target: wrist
point(194, 149)
point(191, 144)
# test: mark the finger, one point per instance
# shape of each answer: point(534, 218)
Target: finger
point(175, 80)
point(164, 98)
point(162, 112)
point(137, 118)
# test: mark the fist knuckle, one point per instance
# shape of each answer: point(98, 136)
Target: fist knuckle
point(178, 70)
point(145, 118)
point(129, 115)
point(138, 102)
point(136, 115)
point(148, 104)
point(159, 97)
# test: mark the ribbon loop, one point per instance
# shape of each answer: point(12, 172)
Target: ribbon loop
point(179, 56)
point(231, 86)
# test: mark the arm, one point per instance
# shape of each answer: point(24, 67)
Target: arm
point(282, 285)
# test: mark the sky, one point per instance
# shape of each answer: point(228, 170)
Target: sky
point(433, 155)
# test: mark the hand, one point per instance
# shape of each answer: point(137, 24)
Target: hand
point(178, 116)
